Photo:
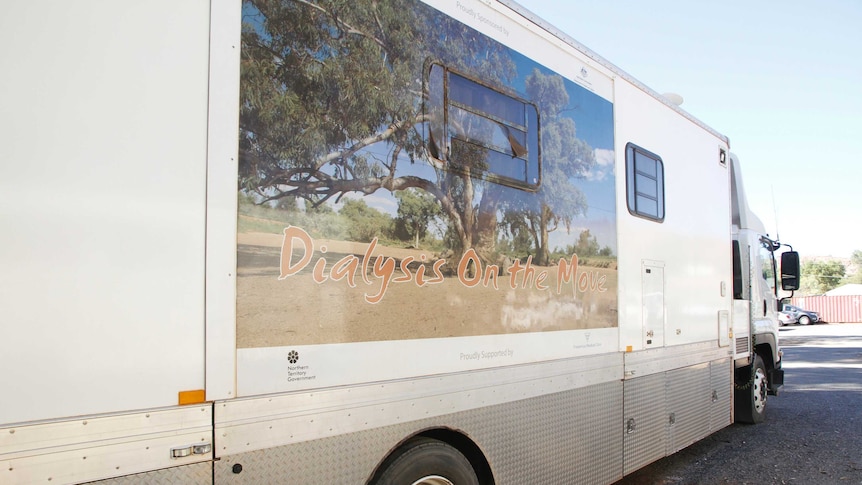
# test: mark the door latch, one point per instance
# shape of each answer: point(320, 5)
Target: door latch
point(184, 451)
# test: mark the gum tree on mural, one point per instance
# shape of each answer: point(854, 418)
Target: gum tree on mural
point(331, 104)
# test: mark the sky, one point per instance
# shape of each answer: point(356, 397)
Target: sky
point(781, 79)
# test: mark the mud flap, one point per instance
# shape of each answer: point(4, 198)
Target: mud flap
point(776, 380)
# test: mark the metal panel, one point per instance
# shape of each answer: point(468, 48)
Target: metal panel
point(742, 346)
point(96, 448)
point(665, 412)
point(689, 400)
point(645, 421)
point(721, 382)
point(197, 474)
point(652, 361)
point(251, 424)
point(564, 438)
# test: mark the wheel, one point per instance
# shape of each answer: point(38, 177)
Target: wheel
point(804, 320)
point(750, 396)
point(426, 461)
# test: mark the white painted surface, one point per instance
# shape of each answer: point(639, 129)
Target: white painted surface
point(222, 169)
point(102, 205)
point(693, 241)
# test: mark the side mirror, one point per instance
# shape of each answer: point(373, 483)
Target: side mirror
point(790, 271)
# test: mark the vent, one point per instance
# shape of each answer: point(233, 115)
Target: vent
point(742, 345)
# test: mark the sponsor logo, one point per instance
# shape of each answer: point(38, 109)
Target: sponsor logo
point(298, 372)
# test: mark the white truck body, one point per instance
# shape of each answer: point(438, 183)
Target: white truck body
point(150, 332)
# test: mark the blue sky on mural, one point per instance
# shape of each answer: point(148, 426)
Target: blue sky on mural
point(593, 116)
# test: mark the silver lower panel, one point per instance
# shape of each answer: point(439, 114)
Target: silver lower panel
point(668, 411)
point(567, 437)
point(590, 435)
point(196, 474)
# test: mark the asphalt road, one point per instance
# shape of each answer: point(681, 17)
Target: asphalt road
point(813, 429)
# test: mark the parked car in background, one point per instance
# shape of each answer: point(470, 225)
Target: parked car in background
point(785, 318)
point(794, 314)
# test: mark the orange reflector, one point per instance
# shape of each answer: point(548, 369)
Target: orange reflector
point(193, 397)
point(628, 348)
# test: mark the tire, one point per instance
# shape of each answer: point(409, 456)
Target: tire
point(804, 320)
point(750, 396)
point(426, 461)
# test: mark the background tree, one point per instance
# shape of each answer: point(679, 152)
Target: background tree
point(331, 102)
point(311, 207)
point(565, 157)
point(364, 222)
point(854, 271)
point(287, 204)
point(818, 277)
point(587, 244)
point(520, 242)
point(416, 211)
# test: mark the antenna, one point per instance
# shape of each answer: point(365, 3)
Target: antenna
point(775, 213)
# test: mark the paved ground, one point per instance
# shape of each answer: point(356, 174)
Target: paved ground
point(813, 430)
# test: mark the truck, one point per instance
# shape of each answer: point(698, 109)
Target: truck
point(315, 241)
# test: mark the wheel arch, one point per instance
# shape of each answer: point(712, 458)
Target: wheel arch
point(453, 437)
point(767, 353)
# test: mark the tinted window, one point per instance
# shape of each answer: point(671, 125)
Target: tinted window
point(644, 183)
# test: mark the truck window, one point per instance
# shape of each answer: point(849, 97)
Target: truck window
point(479, 131)
point(768, 265)
point(644, 183)
point(737, 272)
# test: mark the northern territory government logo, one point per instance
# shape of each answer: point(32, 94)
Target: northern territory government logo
point(293, 357)
point(296, 372)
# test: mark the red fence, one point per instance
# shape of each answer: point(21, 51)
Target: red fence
point(833, 309)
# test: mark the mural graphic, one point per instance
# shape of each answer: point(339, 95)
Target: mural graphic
point(403, 176)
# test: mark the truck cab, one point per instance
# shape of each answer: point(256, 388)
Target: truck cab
point(756, 303)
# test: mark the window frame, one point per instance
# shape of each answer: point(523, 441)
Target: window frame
point(442, 147)
point(633, 152)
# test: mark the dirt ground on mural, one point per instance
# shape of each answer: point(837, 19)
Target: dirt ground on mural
point(297, 311)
